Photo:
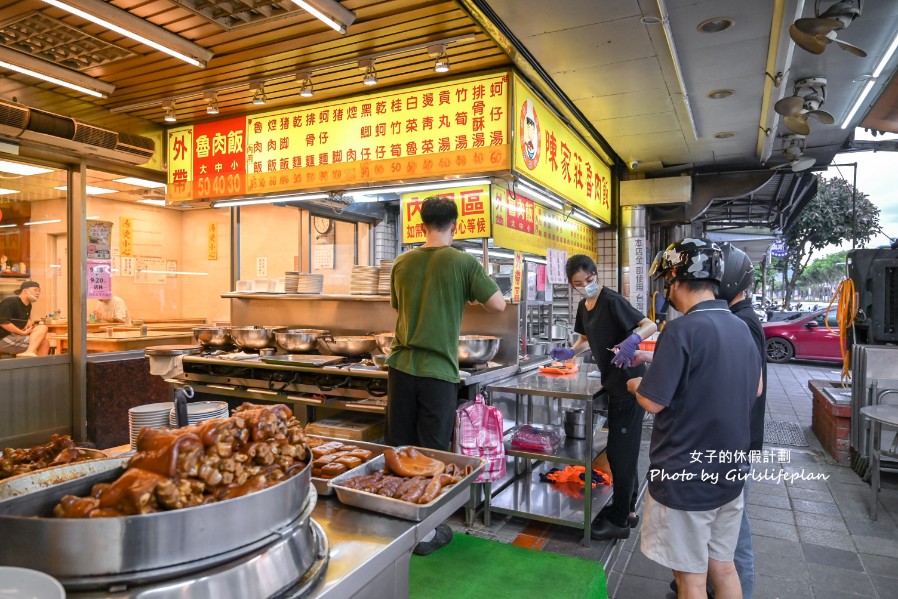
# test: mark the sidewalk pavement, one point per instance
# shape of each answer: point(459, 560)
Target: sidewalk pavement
point(813, 539)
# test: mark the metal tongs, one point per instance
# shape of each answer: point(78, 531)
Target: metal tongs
point(182, 394)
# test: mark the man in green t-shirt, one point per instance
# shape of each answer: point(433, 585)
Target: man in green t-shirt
point(430, 287)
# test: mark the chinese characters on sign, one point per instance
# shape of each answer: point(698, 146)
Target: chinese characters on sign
point(637, 280)
point(473, 213)
point(517, 276)
point(556, 261)
point(126, 235)
point(212, 241)
point(98, 234)
point(521, 224)
point(99, 279)
point(549, 152)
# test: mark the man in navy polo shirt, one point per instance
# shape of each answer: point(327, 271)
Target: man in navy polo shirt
point(705, 374)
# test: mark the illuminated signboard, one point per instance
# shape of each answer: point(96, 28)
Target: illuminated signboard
point(473, 213)
point(548, 152)
point(522, 224)
point(453, 127)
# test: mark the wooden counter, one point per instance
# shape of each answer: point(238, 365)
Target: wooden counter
point(124, 340)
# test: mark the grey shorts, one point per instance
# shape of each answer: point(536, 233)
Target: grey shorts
point(13, 344)
point(684, 541)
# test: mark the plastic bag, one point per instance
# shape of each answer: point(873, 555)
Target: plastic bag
point(535, 439)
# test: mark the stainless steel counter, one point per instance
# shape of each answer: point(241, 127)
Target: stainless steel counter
point(579, 386)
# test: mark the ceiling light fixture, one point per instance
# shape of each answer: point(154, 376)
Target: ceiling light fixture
point(6, 192)
point(121, 21)
point(170, 116)
point(152, 202)
point(720, 94)
point(269, 200)
point(438, 51)
point(259, 97)
point(423, 186)
point(577, 214)
point(211, 102)
point(306, 89)
point(715, 25)
point(47, 71)
point(539, 196)
point(329, 12)
point(871, 82)
point(678, 71)
point(91, 190)
point(724, 135)
point(43, 222)
point(17, 168)
point(370, 72)
point(135, 181)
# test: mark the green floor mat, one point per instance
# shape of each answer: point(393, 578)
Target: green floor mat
point(471, 567)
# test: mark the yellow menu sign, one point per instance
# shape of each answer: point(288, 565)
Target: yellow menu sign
point(548, 152)
point(473, 212)
point(523, 225)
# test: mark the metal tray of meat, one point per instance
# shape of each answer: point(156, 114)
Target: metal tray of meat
point(36, 480)
point(321, 484)
point(397, 507)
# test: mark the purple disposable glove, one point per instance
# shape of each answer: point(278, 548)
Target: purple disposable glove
point(626, 351)
point(562, 354)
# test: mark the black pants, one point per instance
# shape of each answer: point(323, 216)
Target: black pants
point(421, 411)
point(624, 435)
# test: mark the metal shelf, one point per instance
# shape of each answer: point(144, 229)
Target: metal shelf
point(528, 497)
point(571, 451)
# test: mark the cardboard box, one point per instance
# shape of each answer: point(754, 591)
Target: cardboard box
point(354, 427)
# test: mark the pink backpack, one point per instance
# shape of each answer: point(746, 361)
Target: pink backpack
point(478, 433)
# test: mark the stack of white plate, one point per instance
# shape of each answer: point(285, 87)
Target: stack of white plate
point(383, 281)
point(153, 415)
point(199, 411)
point(365, 280)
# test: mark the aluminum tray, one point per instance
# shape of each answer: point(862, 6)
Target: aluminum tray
point(116, 548)
point(36, 480)
point(397, 507)
point(321, 484)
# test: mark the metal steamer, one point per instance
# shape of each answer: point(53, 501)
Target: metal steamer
point(270, 541)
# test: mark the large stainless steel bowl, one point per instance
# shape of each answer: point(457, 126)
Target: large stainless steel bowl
point(477, 349)
point(350, 346)
point(212, 336)
point(253, 337)
point(299, 340)
point(384, 342)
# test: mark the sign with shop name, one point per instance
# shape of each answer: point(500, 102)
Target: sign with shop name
point(779, 249)
point(521, 224)
point(548, 152)
point(99, 279)
point(452, 127)
point(517, 278)
point(473, 213)
point(637, 279)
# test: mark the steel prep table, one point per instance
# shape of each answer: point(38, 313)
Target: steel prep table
point(523, 494)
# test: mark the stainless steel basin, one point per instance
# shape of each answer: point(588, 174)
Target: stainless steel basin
point(477, 349)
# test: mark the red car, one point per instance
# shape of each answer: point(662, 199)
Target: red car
point(805, 337)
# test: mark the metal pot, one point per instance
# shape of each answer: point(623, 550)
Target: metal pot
point(384, 342)
point(535, 347)
point(354, 346)
point(380, 360)
point(299, 340)
point(212, 336)
point(575, 423)
point(477, 349)
point(255, 337)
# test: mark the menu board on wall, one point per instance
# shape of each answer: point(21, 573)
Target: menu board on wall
point(150, 270)
point(473, 213)
point(446, 127)
point(521, 224)
point(547, 151)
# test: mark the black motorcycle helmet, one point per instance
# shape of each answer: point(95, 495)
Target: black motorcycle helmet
point(738, 273)
point(690, 259)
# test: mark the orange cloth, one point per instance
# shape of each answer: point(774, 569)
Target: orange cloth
point(571, 474)
point(569, 367)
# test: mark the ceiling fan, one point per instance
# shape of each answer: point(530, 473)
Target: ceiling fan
point(815, 34)
point(797, 108)
point(793, 149)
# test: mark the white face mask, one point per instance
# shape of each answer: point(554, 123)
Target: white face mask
point(590, 291)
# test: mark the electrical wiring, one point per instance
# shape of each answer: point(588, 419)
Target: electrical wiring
point(845, 312)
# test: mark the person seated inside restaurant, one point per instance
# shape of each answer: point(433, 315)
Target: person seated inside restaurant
point(112, 310)
point(19, 335)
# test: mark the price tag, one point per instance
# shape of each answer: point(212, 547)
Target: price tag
point(99, 279)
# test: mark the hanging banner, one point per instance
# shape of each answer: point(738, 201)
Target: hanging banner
point(521, 224)
point(448, 127)
point(473, 212)
point(550, 153)
point(517, 282)
point(126, 235)
point(637, 276)
point(99, 279)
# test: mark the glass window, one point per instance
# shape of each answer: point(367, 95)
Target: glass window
point(832, 320)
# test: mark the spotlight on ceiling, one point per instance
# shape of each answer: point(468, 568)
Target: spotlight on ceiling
point(211, 102)
point(438, 51)
point(370, 74)
point(169, 107)
point(306, 89)
point(259, 97)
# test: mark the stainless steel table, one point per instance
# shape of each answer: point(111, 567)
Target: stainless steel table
point(879, 415)
point(524, 494)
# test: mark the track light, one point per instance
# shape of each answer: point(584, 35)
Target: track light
point(329, 12)
point(306, 89)
point(259, 97)
point(438, 51)
point(169, 107)
point(212, 102)
point(370, 73)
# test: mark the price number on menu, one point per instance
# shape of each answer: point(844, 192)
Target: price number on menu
point(219, 185)
point(99, 280)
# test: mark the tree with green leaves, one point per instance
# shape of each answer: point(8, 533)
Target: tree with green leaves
point(827, 220)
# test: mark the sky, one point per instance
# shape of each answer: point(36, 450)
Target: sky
point(877, 176)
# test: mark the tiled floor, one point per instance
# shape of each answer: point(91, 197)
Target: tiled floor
point(812, 538)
